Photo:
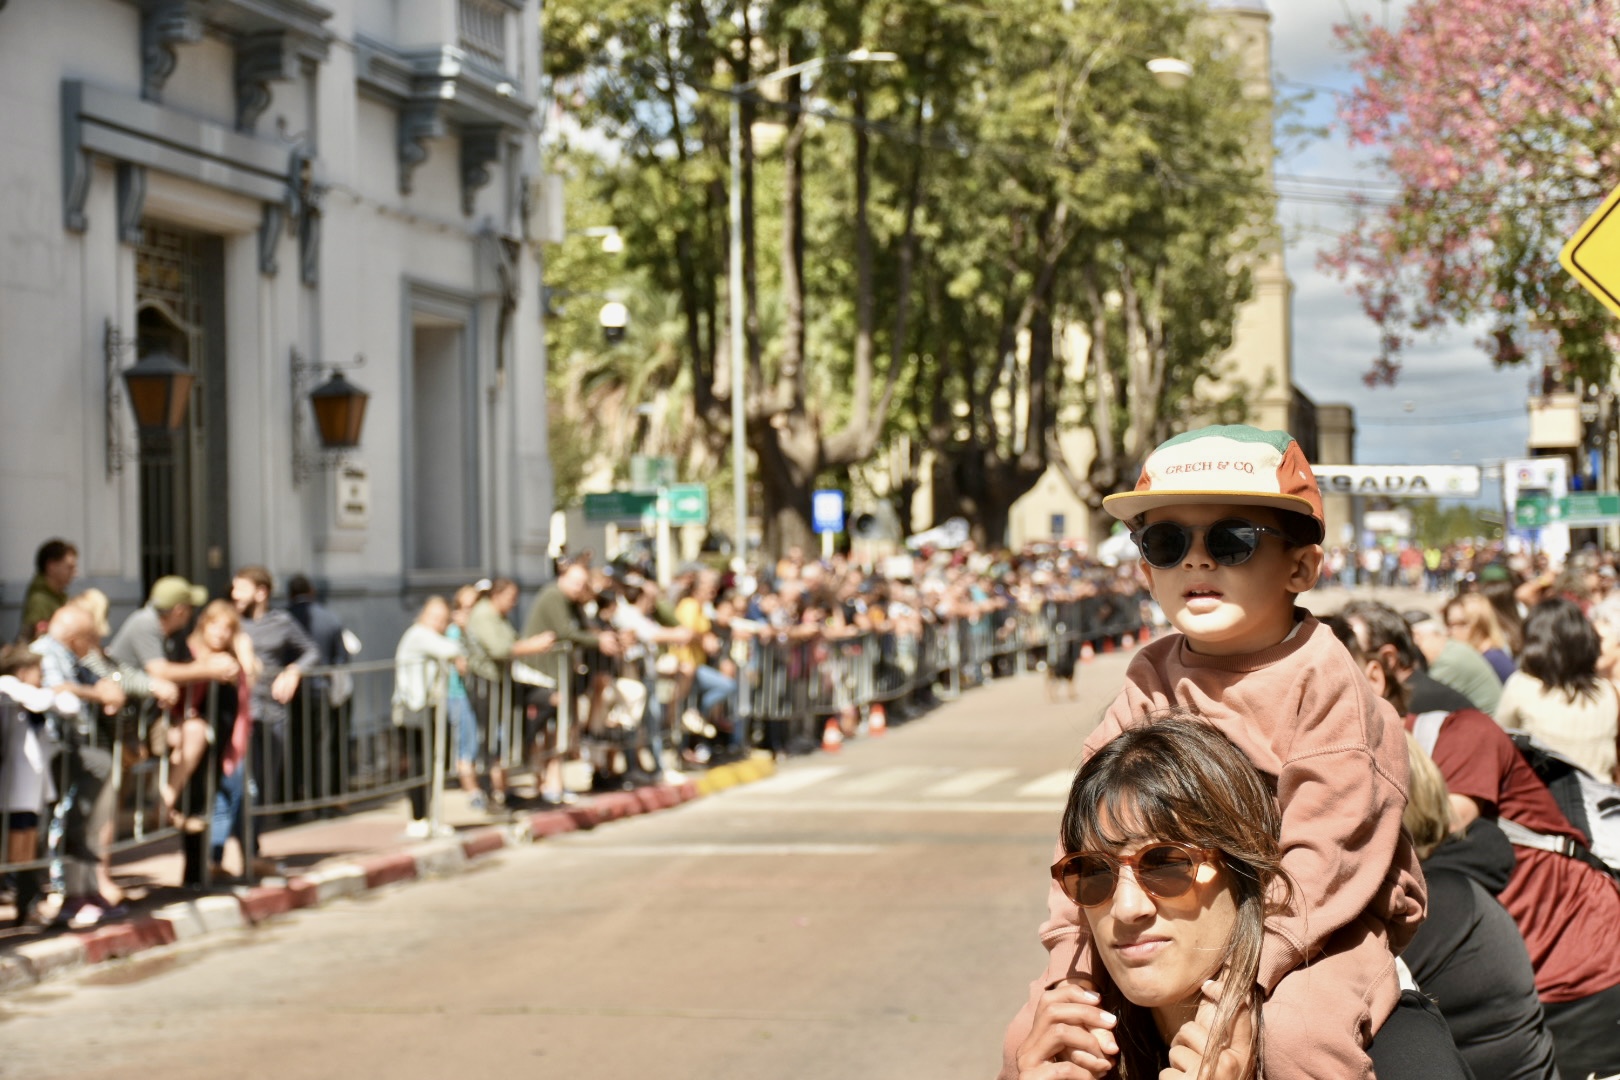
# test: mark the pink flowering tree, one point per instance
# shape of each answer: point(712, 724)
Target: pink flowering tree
point(1500, 120)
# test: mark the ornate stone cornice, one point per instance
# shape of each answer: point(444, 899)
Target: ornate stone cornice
point(131, 201)
point(419, 121)
point(434, 90)
point(480, 148)
point(262, 59)
point(296, 27)
point(301, 18)
point(165, 25)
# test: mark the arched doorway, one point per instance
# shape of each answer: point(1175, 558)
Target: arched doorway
point(184, 504)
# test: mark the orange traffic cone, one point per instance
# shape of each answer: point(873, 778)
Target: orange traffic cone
point(1108, 644)
point(1146, 635)
point(1087, 653)
point(832, 739)
point(1127, 642)
point(877, 721)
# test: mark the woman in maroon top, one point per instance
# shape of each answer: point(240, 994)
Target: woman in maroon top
point(1568, 912)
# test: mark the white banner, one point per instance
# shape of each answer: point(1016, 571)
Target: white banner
point(1399, 481)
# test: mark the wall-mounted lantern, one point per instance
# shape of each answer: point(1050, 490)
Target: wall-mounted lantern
point(339, 408)
point(158, 386)
point(340, 412)
point(159, 389)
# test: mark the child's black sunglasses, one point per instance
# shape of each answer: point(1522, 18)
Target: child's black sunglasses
point(1229, 541)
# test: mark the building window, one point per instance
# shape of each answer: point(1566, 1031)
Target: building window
point(481, 25)
point(1058, 523)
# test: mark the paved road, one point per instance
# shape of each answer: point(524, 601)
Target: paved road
point(864, 915)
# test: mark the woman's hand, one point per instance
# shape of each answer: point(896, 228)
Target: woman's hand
point(1191, 1044)
point(1070, 1038)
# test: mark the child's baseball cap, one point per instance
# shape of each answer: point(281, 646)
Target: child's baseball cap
point(1227, 463)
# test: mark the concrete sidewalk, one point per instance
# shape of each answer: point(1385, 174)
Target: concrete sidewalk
point(321, 861)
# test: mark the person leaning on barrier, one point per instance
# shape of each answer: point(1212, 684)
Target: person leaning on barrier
point(149, 693)
point(714, 685)
point(221, 709)
point(423, 661)
point(491, 645)
point(27, 745)
point(284, 652)
point(639, 615)
point(142, 640)
point(139, 685)
point(559, 613)
point(90, 896)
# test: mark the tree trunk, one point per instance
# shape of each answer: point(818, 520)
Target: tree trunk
point(788, 463)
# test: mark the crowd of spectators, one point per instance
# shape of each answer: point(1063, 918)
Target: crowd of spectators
point(607, 669)
point(185, 682)
point(642, 682)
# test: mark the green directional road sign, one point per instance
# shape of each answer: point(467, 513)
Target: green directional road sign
point(1584, 508)
point(1589, 508)
point(1532, 513)
point(688, 504)
point(617, 507)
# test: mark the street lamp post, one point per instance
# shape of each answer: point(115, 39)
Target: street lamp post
point(739, 411)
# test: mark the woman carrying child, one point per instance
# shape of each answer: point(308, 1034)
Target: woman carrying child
point(1169, 843)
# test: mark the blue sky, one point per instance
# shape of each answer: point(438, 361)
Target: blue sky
point(1450, 406)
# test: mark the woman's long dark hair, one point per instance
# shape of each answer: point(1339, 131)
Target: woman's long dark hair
point(1561, 648)
point(1175, 777)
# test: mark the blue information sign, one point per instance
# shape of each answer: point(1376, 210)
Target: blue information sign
point(827, 511)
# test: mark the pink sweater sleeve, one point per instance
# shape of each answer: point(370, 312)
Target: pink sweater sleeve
point(1341, 789)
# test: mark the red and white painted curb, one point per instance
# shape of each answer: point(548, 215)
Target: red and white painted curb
point(49, 958)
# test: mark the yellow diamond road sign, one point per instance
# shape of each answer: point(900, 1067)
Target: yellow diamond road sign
point(1592, 255)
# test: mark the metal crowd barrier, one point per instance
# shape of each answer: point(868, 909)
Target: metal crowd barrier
point(340, 746)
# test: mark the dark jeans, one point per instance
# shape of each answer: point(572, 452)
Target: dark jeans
point(85, 810)
point(1586, 1033)
point(417, 762)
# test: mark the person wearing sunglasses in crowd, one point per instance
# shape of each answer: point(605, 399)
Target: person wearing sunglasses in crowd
point(1229, 523)
point(1170, 852)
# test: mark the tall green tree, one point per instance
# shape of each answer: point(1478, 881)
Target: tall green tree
point(918, 236)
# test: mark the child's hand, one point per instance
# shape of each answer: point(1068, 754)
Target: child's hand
point(1071, 1037)
point(1191, 1044)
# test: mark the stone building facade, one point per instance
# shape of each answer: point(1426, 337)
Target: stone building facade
point(271, 191)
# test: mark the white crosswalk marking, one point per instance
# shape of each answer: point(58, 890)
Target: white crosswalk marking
point(968, 783)
point(881, 780)
point(794, 780)
point(1053, 783)
point(894, 806)
point(666, 850)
